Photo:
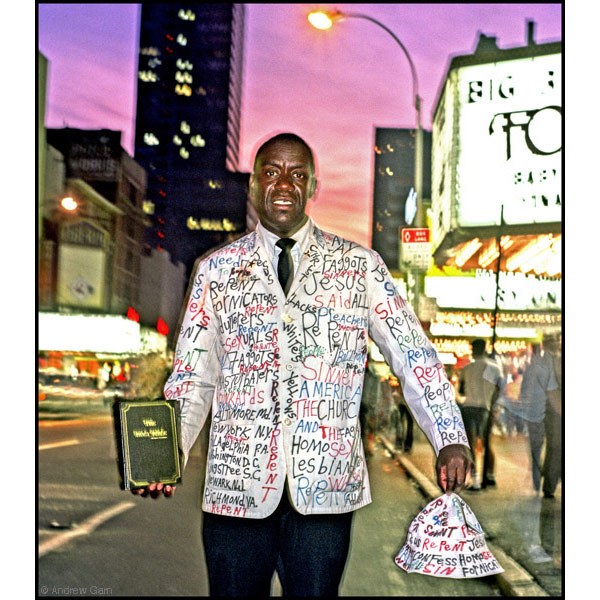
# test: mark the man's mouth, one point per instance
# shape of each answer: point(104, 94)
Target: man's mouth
point(282, 201)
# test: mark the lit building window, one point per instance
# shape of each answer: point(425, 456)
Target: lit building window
point(186, 15)
point(182, 40)
point(183, 90)
point(150, 139)
point(185, 127)
point(151, 51)
point(177, 140)
point(154, 62)
point(184, 153)
point(215, 184)
point(148, 207)
point(183, 77)
point(149, 76)
point(198, 141)
point(184, 64)
point(201, 91)
point(211, 224)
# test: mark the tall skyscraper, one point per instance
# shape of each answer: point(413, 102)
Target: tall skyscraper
point(393, 180)
point(187, 125)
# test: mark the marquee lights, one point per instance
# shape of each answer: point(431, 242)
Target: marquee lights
point(467, 251)
point(462, 347)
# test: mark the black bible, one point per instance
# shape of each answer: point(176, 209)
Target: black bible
point(148, 437)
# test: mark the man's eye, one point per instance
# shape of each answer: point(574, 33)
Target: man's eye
point(300, 175)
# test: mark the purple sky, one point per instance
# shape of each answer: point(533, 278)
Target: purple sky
point(330, 87)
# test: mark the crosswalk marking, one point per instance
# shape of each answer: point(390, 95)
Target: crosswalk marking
point(84, 529)
point(58, 444)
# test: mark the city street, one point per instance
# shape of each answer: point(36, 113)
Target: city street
point(99, 540)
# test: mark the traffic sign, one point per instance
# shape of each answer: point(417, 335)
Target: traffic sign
point(415, 248)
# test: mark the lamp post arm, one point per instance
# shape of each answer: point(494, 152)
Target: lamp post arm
point(417, 99)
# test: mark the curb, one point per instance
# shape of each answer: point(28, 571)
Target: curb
point(515, 581)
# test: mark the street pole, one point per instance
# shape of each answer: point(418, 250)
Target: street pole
point(326, 20)
point(495, 317)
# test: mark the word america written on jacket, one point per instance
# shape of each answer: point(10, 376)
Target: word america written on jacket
point(284, 376)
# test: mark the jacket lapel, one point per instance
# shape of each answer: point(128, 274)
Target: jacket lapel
point(311, 260)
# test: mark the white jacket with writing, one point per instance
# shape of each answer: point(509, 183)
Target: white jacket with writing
point(284, 377)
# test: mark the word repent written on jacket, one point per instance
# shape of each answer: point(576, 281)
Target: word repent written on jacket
point(284, 377)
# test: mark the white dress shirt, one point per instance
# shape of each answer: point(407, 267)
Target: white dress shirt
point(270, 239)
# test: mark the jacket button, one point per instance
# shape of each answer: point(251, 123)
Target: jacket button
point(287, 318)
point(289, 367)
point(287, 422)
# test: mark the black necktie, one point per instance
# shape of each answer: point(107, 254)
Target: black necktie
point(285, 266)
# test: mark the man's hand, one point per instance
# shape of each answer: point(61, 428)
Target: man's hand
point(154, 490)
point(453, 464)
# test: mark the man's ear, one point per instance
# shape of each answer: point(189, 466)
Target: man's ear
point(313, 187)
point(251, 183)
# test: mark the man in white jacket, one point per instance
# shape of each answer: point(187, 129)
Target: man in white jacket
point(274, 339)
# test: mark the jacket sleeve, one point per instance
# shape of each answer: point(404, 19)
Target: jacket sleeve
point(196, 364)
point(395, 329)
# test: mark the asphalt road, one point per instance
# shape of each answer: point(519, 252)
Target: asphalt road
point(97, 540)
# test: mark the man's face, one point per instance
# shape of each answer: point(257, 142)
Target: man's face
point(282, 183)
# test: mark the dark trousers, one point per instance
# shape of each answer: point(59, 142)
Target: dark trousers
point(551, 468)
point(308, 551)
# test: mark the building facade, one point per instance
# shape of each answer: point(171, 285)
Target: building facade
point(394, 200)
point(108, 190)
point(188, 125)
point(496, 226)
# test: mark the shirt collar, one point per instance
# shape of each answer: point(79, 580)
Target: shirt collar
point(269, 239)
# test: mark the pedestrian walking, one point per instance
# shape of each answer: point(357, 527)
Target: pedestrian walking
point(481, 382)
point(542, 411)
point(274, 340)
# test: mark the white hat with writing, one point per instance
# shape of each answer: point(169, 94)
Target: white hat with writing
point(446, 540)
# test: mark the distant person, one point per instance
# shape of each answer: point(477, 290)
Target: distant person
point(369, 405)
point(540, 397)
point(274, 340)
point(403, 420)
point(480, 382)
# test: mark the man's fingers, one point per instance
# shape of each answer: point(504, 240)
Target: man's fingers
point(155, 490)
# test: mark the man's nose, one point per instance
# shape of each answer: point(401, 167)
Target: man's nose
point(284, 181)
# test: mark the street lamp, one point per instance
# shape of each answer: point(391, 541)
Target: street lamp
point(69, 204)
point(324, 20)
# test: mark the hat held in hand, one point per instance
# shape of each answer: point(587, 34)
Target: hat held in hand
point(446, 540)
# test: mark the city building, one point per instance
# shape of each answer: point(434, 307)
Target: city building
point(188, 125)
point(108, 190)
point(496, 214)
point(394, 200)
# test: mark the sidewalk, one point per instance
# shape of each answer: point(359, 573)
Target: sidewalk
point(512, 516)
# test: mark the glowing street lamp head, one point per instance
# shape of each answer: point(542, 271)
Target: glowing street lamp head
point(324, 20)
point(68, 203)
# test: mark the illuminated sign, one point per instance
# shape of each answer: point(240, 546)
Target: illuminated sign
point(88, 333)
point(517, 292)
point(506, 149)
point(510, 141)
point(81, 276)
